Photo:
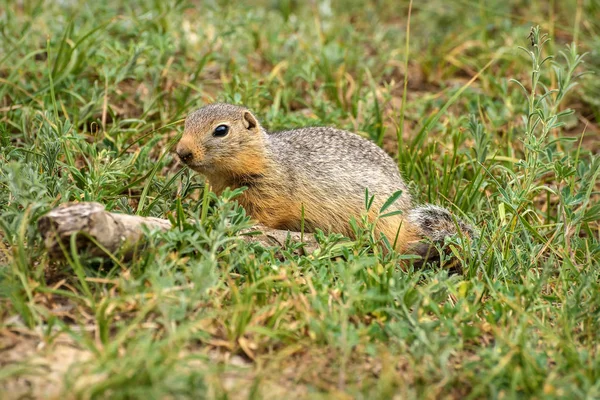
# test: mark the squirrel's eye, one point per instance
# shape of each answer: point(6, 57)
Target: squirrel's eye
point(221, 130)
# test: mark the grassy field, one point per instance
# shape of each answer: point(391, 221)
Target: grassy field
point(92, 98)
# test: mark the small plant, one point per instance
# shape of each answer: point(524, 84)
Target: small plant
point(572, 179)
point(542, 114)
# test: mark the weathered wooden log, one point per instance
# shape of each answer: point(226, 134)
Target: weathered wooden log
point(90, 220)
point(121, 232)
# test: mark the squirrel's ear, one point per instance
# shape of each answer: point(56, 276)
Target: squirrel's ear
point(250, 120)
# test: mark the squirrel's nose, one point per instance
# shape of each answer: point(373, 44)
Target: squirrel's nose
point(185, 154)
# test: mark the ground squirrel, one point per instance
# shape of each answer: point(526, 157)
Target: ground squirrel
point(318, 172)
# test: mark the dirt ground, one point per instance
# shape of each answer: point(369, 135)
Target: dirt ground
point(30, 369)
point(38, 370)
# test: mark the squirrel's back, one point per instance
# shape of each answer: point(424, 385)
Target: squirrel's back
point(338, 163)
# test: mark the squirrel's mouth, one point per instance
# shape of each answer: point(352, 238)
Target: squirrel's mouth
point(199, 167)
point(192, 164)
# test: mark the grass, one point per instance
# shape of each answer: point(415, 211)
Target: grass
point(92, 96)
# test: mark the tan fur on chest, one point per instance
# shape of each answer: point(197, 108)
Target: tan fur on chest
point(263, 203)
point(270, 209)
point(273, 208)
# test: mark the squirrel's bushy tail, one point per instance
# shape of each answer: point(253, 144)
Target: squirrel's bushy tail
point(435, 224)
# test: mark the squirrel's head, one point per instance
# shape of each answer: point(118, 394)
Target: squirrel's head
point(220, 138)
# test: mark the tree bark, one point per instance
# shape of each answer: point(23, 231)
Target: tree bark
point(116, 232)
